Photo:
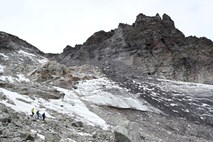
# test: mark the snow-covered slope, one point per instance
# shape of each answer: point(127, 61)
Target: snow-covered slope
point(91, 90)
point(70, 105)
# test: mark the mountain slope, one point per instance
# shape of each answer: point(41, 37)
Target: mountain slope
point(10, 42)
point(105, 90)
point(152, 47)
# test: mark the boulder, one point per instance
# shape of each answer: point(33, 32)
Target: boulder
point(28, 135)
point(126, 131)
point(77, 124)
point(52, 137)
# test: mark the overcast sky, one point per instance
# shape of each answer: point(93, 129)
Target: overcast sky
point(50, 25)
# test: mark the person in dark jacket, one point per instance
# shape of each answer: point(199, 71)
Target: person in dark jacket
point(43, 116)
point(38, 114)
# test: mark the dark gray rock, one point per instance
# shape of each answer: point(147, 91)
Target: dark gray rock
point(126, 131)
point(152, 46)
point(13, 43)
point(77, 124)
point(98, 37)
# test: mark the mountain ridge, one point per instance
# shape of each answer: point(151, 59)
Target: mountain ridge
point(109, 89)
point(12, 42)
point(152, 46)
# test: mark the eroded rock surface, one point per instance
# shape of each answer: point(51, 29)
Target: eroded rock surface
point(151, 45)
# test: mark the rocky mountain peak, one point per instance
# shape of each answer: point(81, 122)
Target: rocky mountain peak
point(143, 25)
point(151, 46)
point(143, 20)
point(168, 20)
point(11, 42)
point(99, 37)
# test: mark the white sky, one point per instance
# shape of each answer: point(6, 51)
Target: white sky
point(50, 25)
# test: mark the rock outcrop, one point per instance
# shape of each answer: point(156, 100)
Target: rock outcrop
point(152, 46)
point(10, 42)
point(60, 75)
point(127, 131)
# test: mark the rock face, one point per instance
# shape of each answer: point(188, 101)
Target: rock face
point(62, 76)
point(10, 42)
point(152, 46)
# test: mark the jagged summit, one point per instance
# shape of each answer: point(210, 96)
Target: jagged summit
point(152, 46)
point(140, 28)
point(142, 19)
point(98, 37)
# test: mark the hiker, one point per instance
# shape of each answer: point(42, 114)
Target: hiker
point(62, 96)
point(38, 114)
point(33, 112)
point(43, 116)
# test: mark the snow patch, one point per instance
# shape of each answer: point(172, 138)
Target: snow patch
point(84, 134)
point(172, 104)
point(1, 68)
point(43, 61)
point(41, 136)
point(74, 106)
point(205, 105)
point(34, 57)
point(9, 79)
point(71, 105)
point(22, 78)
point(20, 102)
point(4, 56)
point(25, 53)
point(189, 88)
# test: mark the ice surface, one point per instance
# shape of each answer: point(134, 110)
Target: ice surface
point(103, 92)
